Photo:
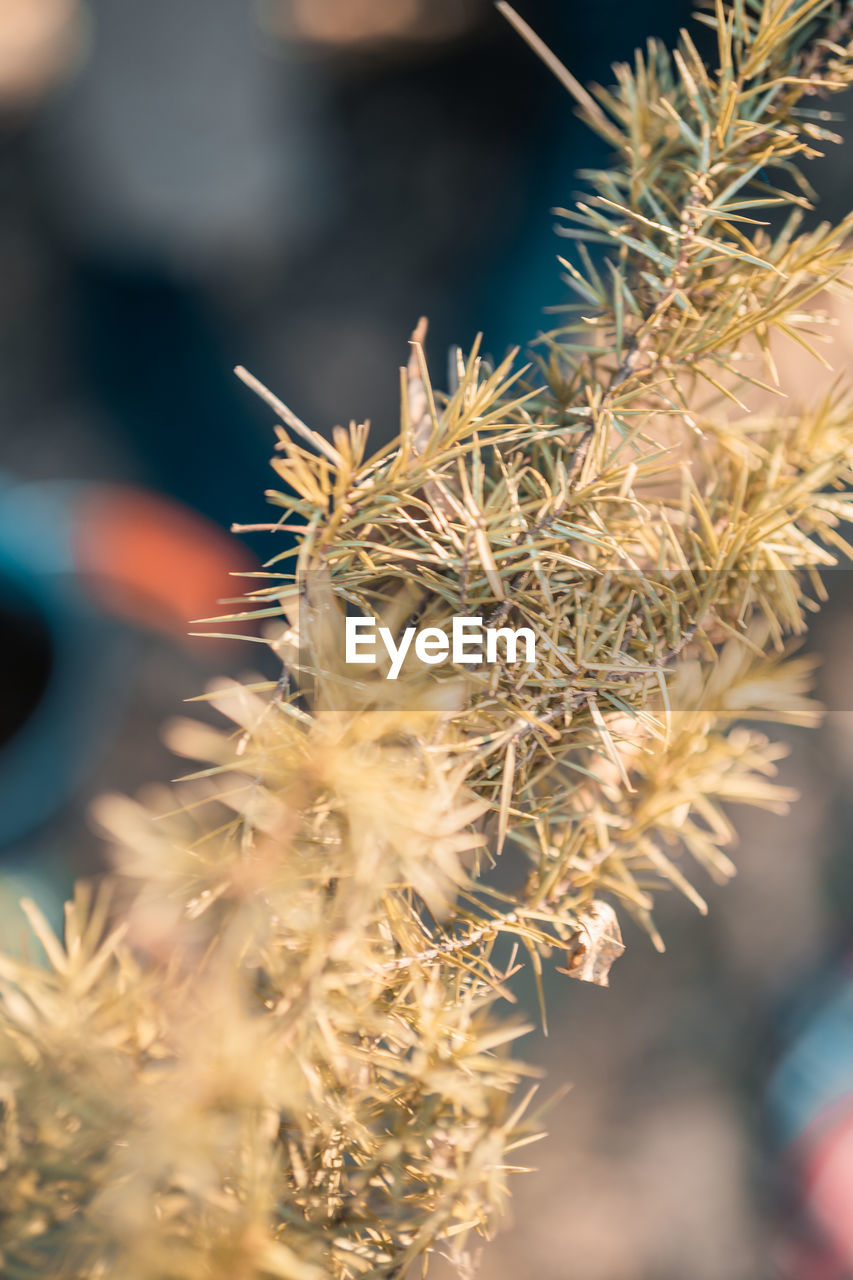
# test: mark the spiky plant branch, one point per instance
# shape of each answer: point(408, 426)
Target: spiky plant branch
point(292, 1059)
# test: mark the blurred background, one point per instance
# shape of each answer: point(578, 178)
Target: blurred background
point(187, 185)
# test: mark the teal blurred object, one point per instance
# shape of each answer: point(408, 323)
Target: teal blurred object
point(810, 1110)
point(85, 570)
point(64, 664)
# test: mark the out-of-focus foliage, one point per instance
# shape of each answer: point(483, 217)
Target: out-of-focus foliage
point(291, 1057)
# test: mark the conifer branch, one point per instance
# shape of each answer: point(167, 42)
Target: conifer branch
point(283, 1047)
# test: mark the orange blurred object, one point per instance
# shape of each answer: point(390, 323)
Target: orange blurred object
point(828, 1178)
point(345, 23)
point(39, 41)
point(153, 562)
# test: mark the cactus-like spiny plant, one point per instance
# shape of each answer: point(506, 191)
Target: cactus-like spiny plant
point(279, 1042)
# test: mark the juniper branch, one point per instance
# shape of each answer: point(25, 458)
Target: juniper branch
point(297, 1062)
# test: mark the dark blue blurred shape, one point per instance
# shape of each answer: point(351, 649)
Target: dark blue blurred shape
point(64, 662)
point(82, 568)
